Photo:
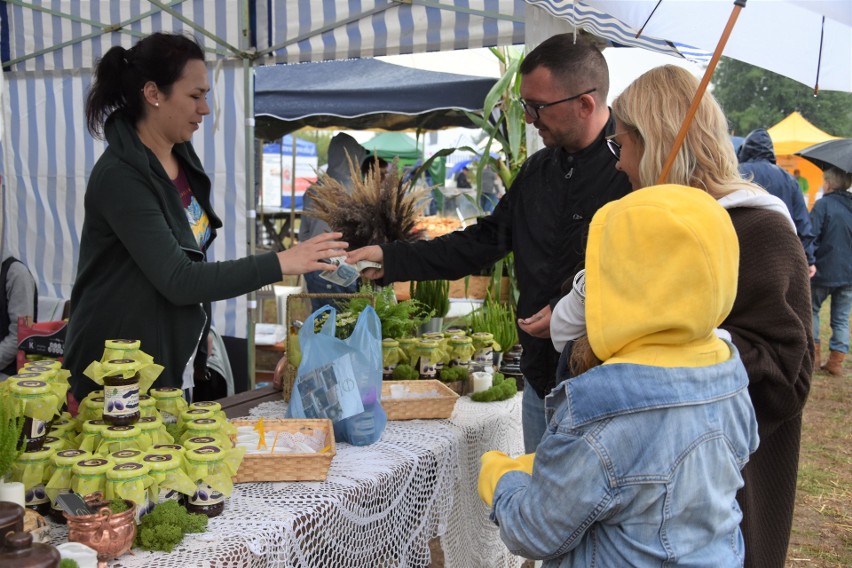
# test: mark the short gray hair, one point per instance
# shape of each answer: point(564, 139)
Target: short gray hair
point(837, 179)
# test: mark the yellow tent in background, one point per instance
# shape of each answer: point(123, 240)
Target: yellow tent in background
point(792, 134)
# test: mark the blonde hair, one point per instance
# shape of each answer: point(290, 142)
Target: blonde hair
point(652, 109)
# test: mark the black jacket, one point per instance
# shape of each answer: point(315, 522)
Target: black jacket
point(141, 274)
point(544, 219)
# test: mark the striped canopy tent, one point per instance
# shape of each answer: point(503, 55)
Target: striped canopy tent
point(48, 49)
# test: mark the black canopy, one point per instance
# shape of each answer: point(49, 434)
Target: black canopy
point(359, 94)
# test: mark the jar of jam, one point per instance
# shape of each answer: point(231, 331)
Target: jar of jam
point(147, 406)
point(409, 345)
point(461, 351)
point(115, 438)
point(207, 427)
point(130, 480)
point(32, 468)
point(154, 428)
point(38, 404)
point(212, 476)
point(90, 435)
point(483, 342)
point(60, 480)
point(91, 407)
point(170, 480)
point(89, 476)
point(121, 392)
point(429, 355)
point(392, 355)
point(63, 428)
point(169, 402)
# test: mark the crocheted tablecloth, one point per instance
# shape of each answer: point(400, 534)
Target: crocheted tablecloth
point(380, 505)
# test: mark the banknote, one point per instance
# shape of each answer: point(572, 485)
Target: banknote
point(344, 274)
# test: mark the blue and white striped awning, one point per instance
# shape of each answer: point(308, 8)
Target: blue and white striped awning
point(603, 25)
point(49, 48)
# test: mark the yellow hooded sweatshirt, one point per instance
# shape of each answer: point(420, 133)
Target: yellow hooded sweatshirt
point(661, 275)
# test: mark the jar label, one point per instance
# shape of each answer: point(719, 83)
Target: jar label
point(427, 367)
point(36, 496)
point(37, 429)
point(484, 356)
point(122, 400)
point(205, 496)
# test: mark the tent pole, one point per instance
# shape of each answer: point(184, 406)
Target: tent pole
point(251, 202)
point(293, 191)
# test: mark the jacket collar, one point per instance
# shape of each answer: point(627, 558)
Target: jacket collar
point(623, 388)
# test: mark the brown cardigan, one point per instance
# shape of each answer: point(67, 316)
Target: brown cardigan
point(770, 324)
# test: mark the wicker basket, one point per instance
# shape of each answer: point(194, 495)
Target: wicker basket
point(299, 308)
point(290, 466)
point(440, 406)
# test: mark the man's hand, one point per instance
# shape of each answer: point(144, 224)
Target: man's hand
point(537, 325)
point(373, 253)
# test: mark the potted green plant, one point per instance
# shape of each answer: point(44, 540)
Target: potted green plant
point(11, 426)
point(435, 296)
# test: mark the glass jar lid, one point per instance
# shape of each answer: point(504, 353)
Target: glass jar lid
point(67, 458)
point(206, 405)
point(123, 344)
point(205, 454)
point(193, 413)
point(460, 340)
point(166, 392)
point(91, 466)
point(150, 422)
point(389, 343)
point(483, 336)
point(93, 426)
point(33, 456)
point(29, 387)
point(204, 425)
point(162, 460)
point(127, 471)
point(124, 456)
point(146, 401)
point(427, 344)
point(120, 432)
point(44, 363)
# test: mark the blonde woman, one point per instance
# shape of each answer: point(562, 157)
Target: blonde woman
point(770, 322)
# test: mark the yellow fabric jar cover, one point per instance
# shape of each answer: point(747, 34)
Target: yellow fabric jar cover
point(168, 471)
point(214, 466)
point(155, 429)
point(91, 407)
point(218, 414)
point(170, 403)
point(409, 345)
point(126, 349)
point(90, 435)
point(60, 479)
point(148, 406)
point(115, 438)
point(64, 428)
point(483, 339)
point(57, 444)
point(89, 476)
point(35, 399)
point(206, 427)
point(126, 456)
point(461, 348)
point(33, 468)
point(392, 353)
point(129, 481)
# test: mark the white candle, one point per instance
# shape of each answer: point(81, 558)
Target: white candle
point(481, 381)
point(13, 492)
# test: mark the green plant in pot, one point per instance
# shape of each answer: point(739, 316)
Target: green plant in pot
point(435, 296)
point(11, 426)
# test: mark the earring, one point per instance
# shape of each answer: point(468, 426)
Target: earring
point(156, 104)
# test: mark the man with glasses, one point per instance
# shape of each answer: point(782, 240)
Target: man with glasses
point(544, 216)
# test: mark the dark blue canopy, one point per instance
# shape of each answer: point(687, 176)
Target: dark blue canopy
point(359, 94)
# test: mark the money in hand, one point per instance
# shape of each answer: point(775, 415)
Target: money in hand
point(344, 274)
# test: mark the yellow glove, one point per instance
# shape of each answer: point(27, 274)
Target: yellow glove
point(494, 466)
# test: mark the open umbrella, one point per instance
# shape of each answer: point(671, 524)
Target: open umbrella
point(837, 153)
point(806, 40)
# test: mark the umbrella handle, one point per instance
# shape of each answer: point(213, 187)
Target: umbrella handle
point(702, 87)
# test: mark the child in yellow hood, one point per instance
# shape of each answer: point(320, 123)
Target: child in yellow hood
point(641, 460)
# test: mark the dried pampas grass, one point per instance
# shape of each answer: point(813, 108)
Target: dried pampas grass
point(376, 211)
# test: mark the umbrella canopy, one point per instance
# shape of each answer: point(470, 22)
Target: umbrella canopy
point(837, 153)
point(806, 40)
point(359, 94)
point(390, 145)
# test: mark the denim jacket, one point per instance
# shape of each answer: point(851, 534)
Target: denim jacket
point(639, 466)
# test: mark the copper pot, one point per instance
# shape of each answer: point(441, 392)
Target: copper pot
point(110, 534)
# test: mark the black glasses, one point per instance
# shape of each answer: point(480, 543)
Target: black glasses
point(533, 108)
point(614, 146)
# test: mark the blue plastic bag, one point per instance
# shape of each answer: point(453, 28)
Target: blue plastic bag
point(341, 379)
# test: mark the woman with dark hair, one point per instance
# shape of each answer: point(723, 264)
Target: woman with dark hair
point(142, 272)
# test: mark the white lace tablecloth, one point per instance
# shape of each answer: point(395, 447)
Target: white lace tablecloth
point(379, 507)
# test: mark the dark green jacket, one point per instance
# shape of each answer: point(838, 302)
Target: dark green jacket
point(141, 274)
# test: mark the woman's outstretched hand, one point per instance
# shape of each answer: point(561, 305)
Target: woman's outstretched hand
point(305, 257)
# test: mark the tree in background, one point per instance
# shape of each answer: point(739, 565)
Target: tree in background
point(756, 98)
